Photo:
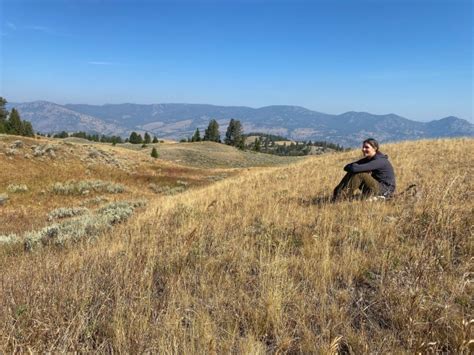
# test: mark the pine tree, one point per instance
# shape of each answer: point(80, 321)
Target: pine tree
point(28, 129)
point(3, 115)
point(154, 153)
point(197, 136)
point(234, 135)
point(155, 140)
point(212, 132)
point(147, 138)
point(14, 124)
point(135, 138)
point(257, 144)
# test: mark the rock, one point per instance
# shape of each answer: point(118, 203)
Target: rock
point(10, 152)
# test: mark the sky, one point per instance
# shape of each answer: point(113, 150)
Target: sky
point(412, 58)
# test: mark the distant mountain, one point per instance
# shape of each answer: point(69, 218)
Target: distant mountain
point(180, 120)
point(50, 117)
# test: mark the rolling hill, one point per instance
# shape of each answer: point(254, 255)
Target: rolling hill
point(245, 260)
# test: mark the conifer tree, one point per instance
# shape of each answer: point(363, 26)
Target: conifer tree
point(147, 138)
point(257, 144)
point(154, 153)
point(14, 124)
point(197, 136)
point(155, 140)
point(3, 115)
point(28, 129)
point(135, 138)
point(234, 135)
point(212, 132)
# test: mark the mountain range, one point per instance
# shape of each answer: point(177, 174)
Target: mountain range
point(177, 121)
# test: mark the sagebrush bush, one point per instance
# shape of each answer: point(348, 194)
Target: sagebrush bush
point(83, 187)
point(167, 190)
point(85, 226)
point(8, 239)
point(14, 188)
point(94, 201)
point(65, 212)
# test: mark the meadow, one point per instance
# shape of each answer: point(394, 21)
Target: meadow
point(253, 261)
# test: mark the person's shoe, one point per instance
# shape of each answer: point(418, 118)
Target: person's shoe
point(376, 198)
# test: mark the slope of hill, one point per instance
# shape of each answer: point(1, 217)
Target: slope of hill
point(180, 120)
point(256, 264)
point(40, 164)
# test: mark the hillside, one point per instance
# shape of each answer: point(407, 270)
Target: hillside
point(178, 121)
point(252, 263)
point(41, 164)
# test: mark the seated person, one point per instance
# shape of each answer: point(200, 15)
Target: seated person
point(373, 174)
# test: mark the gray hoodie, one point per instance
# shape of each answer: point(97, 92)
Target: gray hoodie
point(381, 169)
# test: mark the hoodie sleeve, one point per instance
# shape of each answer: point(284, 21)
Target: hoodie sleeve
point(359, 167)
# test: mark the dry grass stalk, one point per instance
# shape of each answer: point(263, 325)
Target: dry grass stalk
point(255, 264)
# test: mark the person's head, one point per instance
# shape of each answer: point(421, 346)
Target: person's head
point(370, 147)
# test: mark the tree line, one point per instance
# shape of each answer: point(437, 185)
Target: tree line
point(11, 123)
point(267, 143)
point(234, 135)
point(264, 143)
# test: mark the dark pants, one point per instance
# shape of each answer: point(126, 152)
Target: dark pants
point(353, 182)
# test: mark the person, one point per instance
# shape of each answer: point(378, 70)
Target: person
point(373, 175)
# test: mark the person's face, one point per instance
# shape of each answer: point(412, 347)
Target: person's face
point(368, 150)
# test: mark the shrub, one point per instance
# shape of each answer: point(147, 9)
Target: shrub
point(65, 212)
point(94, 201)
point(84, 187)
point(8, 239)
point(13, 188)
point(86, 226)
point(154, 153)
point(166, 190)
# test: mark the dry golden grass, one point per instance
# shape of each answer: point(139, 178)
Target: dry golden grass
point(80, 162)
point(253, 264)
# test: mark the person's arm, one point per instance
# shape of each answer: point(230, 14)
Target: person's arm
point(360, 167)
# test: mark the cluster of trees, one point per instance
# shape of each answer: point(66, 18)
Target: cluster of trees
point(90, 137)
point(11, 123)
point(267, 143)
point(234, 135)
point(136, 138)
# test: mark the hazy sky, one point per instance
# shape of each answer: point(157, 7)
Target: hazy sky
point(413, 58)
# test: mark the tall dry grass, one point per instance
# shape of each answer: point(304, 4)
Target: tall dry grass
point(253, 264)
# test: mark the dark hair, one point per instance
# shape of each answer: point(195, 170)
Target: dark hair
point(373, 143)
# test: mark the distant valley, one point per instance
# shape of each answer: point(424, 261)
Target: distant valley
point(177, 121)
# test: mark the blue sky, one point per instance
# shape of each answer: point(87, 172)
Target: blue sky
point(413, 58)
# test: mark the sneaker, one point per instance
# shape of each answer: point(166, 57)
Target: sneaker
point(376, 198)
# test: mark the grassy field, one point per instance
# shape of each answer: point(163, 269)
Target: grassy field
point(252, 263)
